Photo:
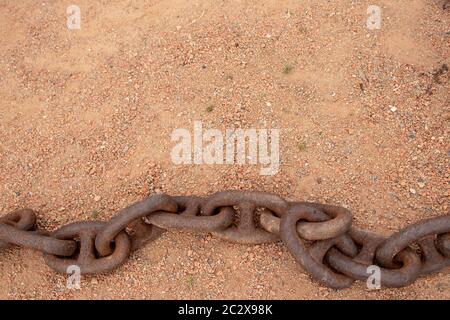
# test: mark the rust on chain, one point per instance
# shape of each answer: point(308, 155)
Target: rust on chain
point(189, 217)
point(132, 213)
point(400, 240)
point(356, 267)
point(37, 241)
point(297, 247)
point(246, 230)
point(213, 223)
point(341, 222)
point(142, 231)
point(433, 259)
point(273, 202)
point(319, 236)
point(443, 244)
point(24, 219)
point(335, 222)
point(86, 257)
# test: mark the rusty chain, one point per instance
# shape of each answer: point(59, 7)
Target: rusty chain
point(320, 237)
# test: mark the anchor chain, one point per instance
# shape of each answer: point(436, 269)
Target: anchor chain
point(320, 237)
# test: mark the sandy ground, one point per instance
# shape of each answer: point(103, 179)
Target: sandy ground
point(86, 117)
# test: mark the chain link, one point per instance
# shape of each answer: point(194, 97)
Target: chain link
point(24, 219)
point(320, 237)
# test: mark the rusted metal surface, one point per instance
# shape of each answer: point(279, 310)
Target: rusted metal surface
point(132, 213)
point(322, 228)
point(319, 230)
point(356, 267)
point(443, 244)
point(23, 219)
point(320, 237)
point(409, 235)
point(188, 217)
point(246, 230)
point(34, 240)
point(311, 263)
point(433, 260)
point(86, 257)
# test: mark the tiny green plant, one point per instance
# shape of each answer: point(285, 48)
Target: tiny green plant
point(95, 214)
point(288, 68)
point(302, 146)
point(190, 282)
point(210, 108)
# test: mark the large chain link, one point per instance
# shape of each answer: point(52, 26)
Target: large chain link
point(320, 237)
